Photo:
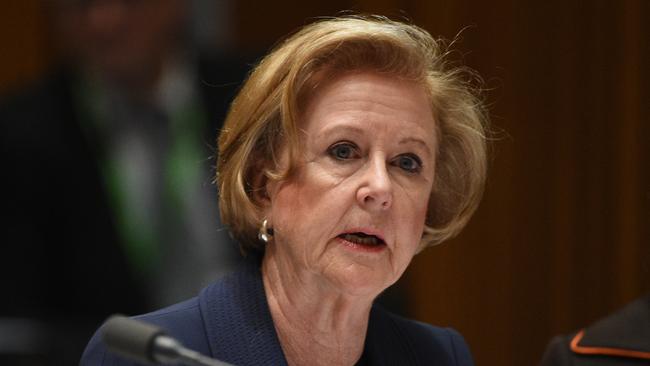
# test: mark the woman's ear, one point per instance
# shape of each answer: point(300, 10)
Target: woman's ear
point(260, 188)
point(266, 182)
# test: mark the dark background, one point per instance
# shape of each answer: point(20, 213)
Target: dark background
point(562, 236)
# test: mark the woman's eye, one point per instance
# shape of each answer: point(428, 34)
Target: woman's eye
point(409, 163)
point(343, 151)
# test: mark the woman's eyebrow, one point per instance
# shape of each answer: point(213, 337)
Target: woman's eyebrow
point(418, 141)
point(339, 128)
point(358, 130)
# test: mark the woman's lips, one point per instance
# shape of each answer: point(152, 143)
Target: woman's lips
point(362, 241)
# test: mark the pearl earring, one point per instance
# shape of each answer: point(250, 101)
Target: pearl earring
point(265, 234)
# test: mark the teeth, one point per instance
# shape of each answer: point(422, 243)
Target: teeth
point(361, 238)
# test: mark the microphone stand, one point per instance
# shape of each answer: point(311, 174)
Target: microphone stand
point(148, 343)
point(167, 350)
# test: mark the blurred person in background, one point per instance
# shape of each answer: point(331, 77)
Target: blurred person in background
point(106, 182)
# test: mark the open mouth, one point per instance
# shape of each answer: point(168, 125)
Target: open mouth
point(362, 239)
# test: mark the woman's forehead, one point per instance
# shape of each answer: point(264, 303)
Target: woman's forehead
point(366, 99)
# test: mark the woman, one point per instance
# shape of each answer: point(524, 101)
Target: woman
point(351, 147)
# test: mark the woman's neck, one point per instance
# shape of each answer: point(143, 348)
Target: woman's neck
point(315, 324)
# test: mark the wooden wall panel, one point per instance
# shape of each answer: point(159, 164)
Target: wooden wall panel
point(571, 177)
point(24, 42)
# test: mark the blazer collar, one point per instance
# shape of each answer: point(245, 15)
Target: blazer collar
point(623, 334)
point(238, 322)
point(240, 328)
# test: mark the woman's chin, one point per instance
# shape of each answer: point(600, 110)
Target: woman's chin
point(356, 278)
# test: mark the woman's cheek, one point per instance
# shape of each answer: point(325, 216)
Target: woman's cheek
point(330, 173)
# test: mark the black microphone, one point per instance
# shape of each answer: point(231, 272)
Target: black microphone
point(149, 344)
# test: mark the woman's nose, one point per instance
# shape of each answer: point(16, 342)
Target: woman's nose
point(375, 191)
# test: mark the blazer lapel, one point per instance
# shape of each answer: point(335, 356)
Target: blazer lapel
point(238, 322)
point(385, 343)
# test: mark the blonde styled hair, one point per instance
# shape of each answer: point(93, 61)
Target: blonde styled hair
point(263, 118)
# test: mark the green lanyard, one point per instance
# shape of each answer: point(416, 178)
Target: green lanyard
point(182, 172)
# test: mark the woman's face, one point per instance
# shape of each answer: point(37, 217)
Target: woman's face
point(353, 214)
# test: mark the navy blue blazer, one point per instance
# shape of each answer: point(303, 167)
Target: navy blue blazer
point(230, 321)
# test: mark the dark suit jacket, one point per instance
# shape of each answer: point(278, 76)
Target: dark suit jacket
point(61, 260)
point(622, 338)
point(61, 255)
point(230, 321)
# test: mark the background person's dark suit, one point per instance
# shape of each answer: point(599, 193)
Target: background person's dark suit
point(621, 339)
point(62, 261)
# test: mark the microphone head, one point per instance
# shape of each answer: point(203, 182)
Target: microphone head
point(130, 338)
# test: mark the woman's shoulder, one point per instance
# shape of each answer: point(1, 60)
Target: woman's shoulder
point(420, 342)
point(182, 321)
point(218, 314)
